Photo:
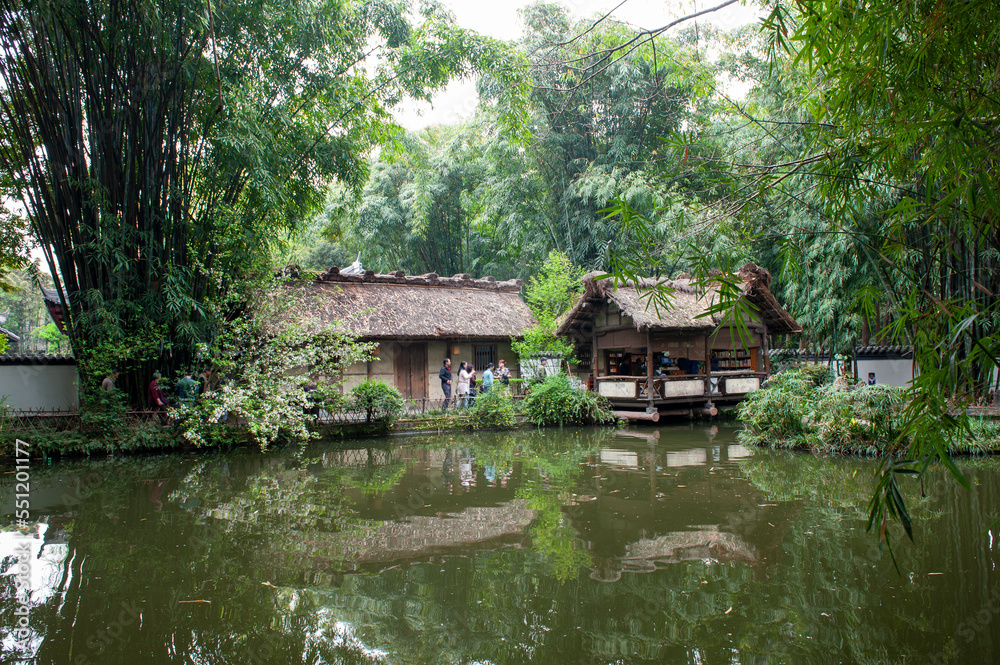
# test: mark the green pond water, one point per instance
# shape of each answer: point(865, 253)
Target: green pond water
point(668, 545)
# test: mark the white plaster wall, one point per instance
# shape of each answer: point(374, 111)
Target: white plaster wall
point(385, 367)
point(40, 386)
point(888, 371)
point(436, 353)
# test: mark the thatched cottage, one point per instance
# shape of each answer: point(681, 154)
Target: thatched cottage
point(420, 320)
point(650, 359)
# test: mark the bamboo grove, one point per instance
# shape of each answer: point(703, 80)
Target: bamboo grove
point(162, 150)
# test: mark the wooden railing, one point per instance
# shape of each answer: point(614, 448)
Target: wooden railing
point(671, 385)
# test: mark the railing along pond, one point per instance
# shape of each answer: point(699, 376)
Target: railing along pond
point(672, 386)
point(63, 420)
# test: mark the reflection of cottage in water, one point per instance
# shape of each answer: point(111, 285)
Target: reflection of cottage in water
point(643, 510)
point(632, 508)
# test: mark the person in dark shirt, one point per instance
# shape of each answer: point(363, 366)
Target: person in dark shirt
point(156, 399)
point(187, 390)
point(445, 376)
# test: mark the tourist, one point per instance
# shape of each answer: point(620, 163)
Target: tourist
point(108, 384)
point(542, 371)
point(445, 376)
point(156, 399)
point(871, 378)
point(205, 381)
point(472, 386)
point(503, 373)
point(463, 385)
point(187, 390)
point(487, 379)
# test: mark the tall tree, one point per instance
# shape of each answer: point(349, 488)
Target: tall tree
point(160, 151)
point(908, 118)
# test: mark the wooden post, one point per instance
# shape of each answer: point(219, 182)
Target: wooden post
point(708, 367)
point(649, 370)
point(766, 351)
point(594, 361)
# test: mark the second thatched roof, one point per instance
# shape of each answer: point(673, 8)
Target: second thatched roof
point(688, 302)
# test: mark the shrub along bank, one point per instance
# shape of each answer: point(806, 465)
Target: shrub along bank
point(801, 408)
point(556, 401)
point(105, 426)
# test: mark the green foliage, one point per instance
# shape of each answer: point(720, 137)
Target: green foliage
point(51, 334)
point(472, 198)
point(493, 409)
point(556, 401)
point(268, 102)
point(102, 413)
point(799, 408)
point(257, 362)
point(552, 291)
point(380, 401)
point(541, 341)
point(906, 163)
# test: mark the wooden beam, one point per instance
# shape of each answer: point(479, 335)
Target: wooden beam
point(638, 415)
point(708, 368)
point(650, 395)
point(766, 361)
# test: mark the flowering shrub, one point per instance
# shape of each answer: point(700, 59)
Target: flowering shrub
point(260, 359)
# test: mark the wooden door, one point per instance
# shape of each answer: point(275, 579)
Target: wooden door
point(411, 369)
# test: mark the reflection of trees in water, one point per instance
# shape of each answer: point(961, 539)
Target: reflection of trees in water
point(227, 523)
point(124, 552)
point(842, 590)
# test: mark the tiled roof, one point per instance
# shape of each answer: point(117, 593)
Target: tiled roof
point(861, 352)
point(36, 359)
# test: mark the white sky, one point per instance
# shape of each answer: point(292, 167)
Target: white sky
point(500, 19)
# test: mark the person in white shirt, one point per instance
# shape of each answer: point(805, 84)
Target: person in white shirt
point(464, 375)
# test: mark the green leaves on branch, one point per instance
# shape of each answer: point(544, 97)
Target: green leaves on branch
point(557, 401)
point(493, 409)
point(260, 364)
point(380, 401)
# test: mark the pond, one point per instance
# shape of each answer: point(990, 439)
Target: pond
point(666, 545)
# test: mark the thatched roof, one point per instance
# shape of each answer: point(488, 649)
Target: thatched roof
point(687, 303)
point(394, 305)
